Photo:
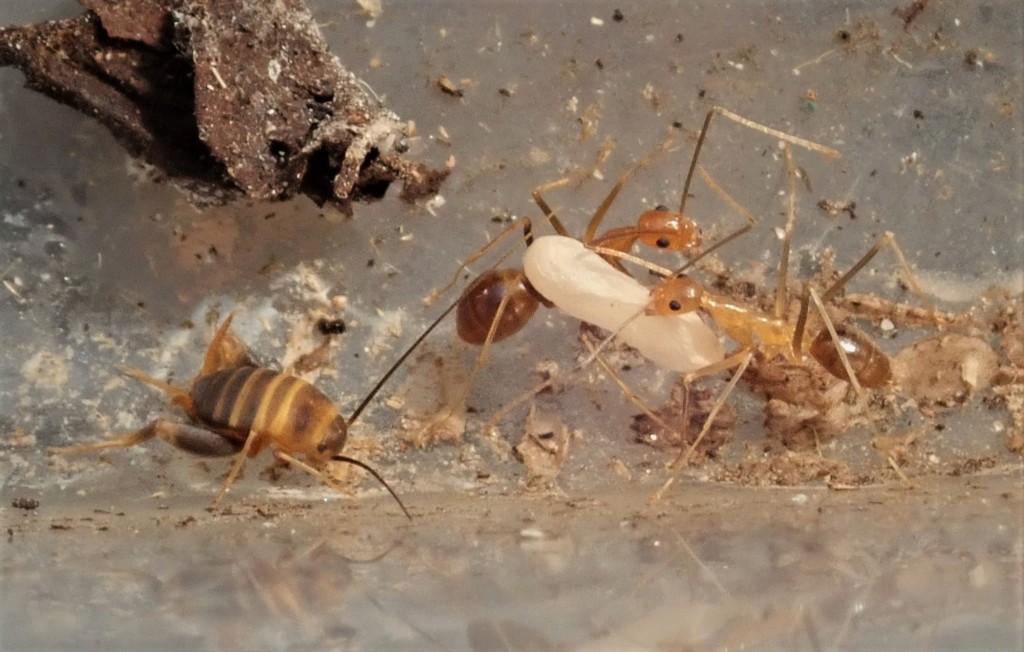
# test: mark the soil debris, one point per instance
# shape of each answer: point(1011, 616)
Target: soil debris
point(230, 98)
point(28, 504)
point(945, 370)
point(544, 447)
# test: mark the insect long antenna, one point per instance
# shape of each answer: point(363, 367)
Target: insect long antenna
point(366, 467)
point(398, 363)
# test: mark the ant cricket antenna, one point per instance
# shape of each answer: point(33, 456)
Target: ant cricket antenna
point(366, 467)
point(376, 389)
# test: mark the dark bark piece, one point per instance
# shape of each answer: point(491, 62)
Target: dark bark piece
point(230, 98)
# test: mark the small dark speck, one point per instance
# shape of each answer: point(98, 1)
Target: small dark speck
point(330, 326)
point(24, 503)
point(677, 124)
point(918, 115)
point(701, 93)
point(940, 427)
point(504, 92)
point(599, 64)
point(679, 37)
point(618, 16)
point(371, 262)
point(873, 173)
point(140, 304)
point(843, 35)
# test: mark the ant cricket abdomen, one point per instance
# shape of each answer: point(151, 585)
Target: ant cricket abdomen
point(482, 301)
point(869, 363)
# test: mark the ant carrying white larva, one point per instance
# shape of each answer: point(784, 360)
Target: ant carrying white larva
point(585, 279)
point(568, 273)
point(845, 353)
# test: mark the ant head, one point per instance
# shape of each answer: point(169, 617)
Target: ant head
point(333, 440)
point(675, 296)
point(668, 230)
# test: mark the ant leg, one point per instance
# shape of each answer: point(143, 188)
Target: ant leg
point(782, 284)
point(253, 444)
point(654, 268)
point(750, 124)
point(527, 227)
point(800, 329)
point(602, 209)
point(481, 360)
point(735, 206)
point(192, 439)
point(627, 391)
point(888, 239)
point(594, 354)
point(538, 192)
point(740, 360)
point(549, 214)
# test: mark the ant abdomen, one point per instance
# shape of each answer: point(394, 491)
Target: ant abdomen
point(869, 363)
point(481, 300)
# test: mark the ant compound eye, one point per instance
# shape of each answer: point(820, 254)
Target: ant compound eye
point(663, 242)
point(674, 305)
point(661, 207)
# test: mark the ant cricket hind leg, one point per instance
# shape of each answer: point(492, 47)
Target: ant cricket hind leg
point(187, 437)
point(184, 436)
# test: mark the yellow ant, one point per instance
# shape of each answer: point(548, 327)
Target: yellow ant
point(847, 354)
